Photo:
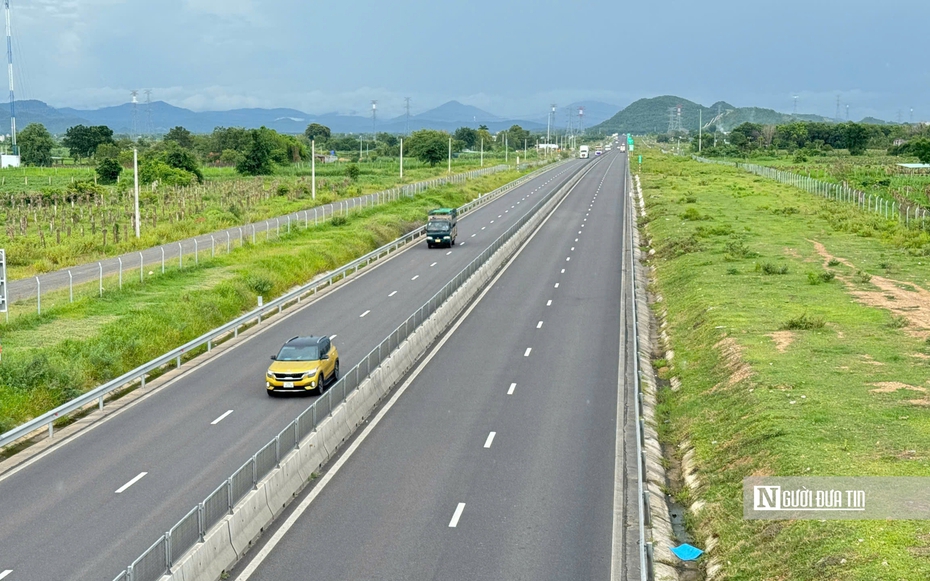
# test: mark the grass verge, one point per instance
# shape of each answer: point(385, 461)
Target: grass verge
point(821, 370)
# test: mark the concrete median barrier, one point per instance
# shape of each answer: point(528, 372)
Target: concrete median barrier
point(248, 520)
point(211, 557)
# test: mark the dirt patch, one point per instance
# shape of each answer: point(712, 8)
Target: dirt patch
point(921, 402)
point(905, 300)
point(733, 356)
point(782, 340)
point(920, 356)
point(893, 386)
point(868, 359)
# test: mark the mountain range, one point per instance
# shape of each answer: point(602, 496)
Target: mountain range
point(159, 117)
point(653, 116)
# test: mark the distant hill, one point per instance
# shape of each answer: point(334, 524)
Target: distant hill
point(652, 116)
point(29, 111)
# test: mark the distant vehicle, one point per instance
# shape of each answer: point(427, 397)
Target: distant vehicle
point(442, 227)
point(622, 148)
point(303, 364)
point(583, 152)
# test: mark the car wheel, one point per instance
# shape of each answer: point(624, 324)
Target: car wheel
point(452, 243)
point(429, 245)
point(270, 393)
point(336, 371)
point(319, 384)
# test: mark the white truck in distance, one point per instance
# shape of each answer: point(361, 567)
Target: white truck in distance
point(583, 152)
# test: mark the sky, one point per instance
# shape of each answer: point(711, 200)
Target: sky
point(510, 57)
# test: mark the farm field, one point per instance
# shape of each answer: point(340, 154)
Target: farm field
point(800, 329)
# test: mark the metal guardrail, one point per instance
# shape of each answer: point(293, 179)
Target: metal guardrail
point(159, 558)
point(840, 192)
point(645, 548)
point(175, 356)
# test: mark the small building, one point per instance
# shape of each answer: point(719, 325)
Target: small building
point(899, 142)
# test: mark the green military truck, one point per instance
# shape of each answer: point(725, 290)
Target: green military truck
point(442, 227)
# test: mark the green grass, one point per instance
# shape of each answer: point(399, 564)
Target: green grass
point(44, 231)
point(50, 358)
point(806, 410)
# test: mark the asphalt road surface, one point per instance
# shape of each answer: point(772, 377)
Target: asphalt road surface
point(499, 459)
point(87, 508)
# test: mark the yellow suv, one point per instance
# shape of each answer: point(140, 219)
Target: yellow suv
point(303, 364)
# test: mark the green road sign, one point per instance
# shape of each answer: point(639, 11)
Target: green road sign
point(640, 160)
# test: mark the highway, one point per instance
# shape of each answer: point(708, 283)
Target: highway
point(499, 460)
point(90, 505)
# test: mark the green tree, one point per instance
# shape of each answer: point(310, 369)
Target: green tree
point(258, 158)
point(516, 136)
point(35, 145)
point(388, 139)
point(428, 145)
point(108, 170)
point(181, 136)
point(352, 171)
point(178, 157)
point(920, 148)
point(108, 151)
point(82, 141)
point(467, 135)
point(856, 137)
point(317, 132)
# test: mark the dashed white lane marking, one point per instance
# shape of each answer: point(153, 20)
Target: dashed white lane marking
point(539, 325)
point(573, 248)
point(392, 294)
point(5, 573)
point(365, 313)
point(462, 244)
point(567, 258)
point(563, 271)
point(576, 240)
point(416, 277)
point(492, 221)
point(579, 231)
point(433, 264)
point(556, 285)
point(448, 253)
point(472, 235)
point(456, 515)
point(483, 227)
point(513, 386)
point(528, 349)
point(221, 418)
point(549, 303)
point(131, 482)
point(487, 443)
point(499, 215)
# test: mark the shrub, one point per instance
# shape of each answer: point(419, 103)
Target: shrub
point(283, 190)
point(737, 249)
point(693, 215)
point(352, 172)
point(898, 322)
point(833, 262)
point(259, 284)
point(732, 271)
point(819, 277)
point(339, 220)
point(803, 323)
point(108, 171)
point(862, 276)
point(769, 268)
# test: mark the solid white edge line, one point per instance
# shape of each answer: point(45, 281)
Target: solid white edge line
point(457, 515)
point(487, 443)
point(512, 387)
point(221, 418)
point(5, 573)
point(131, 482)
point(528, 350)
point(266, 549)
point(448, 253)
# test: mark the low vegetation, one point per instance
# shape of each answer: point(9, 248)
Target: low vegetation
point(798, 354)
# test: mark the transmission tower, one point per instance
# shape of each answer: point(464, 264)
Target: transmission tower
point(407, 118)
point(837, 117)
point(581, 120)
point(847, 112)
point(135, 114)
point(795, 105)
point(374, 120)
point(149, 125)
point(674, 120)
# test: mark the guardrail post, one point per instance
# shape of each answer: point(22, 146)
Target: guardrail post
point(200, 521)
point(51, 429)
point(254, 472)
point(70, 287)
point(120, 260)
point(180, 256)
point(229, 495)
point(168, 551)
point(162, 248)
point(196, 253)
point(277, 451)
point(100, 266)
point(178, 361)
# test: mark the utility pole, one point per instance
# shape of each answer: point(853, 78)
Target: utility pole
point(700, 129)
point(407, 119)
point(313, 168)
point(482, 152)
point(506, 152)
point(9, 58)
point(549, 118)
point(135, 180)
point(401, 158)
point(450, 155)
point(374, 120)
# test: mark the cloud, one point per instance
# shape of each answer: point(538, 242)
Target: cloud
point(226, 8)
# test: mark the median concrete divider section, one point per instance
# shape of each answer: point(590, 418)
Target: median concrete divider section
point(231, 538)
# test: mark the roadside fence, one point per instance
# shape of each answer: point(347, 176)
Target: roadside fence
point(912, 215)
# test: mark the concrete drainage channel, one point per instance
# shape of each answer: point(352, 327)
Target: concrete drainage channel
point(216, 533)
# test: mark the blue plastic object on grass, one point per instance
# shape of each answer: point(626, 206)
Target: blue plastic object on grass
point(686, 552)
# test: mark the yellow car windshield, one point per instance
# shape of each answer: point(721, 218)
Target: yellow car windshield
point(299, 353)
